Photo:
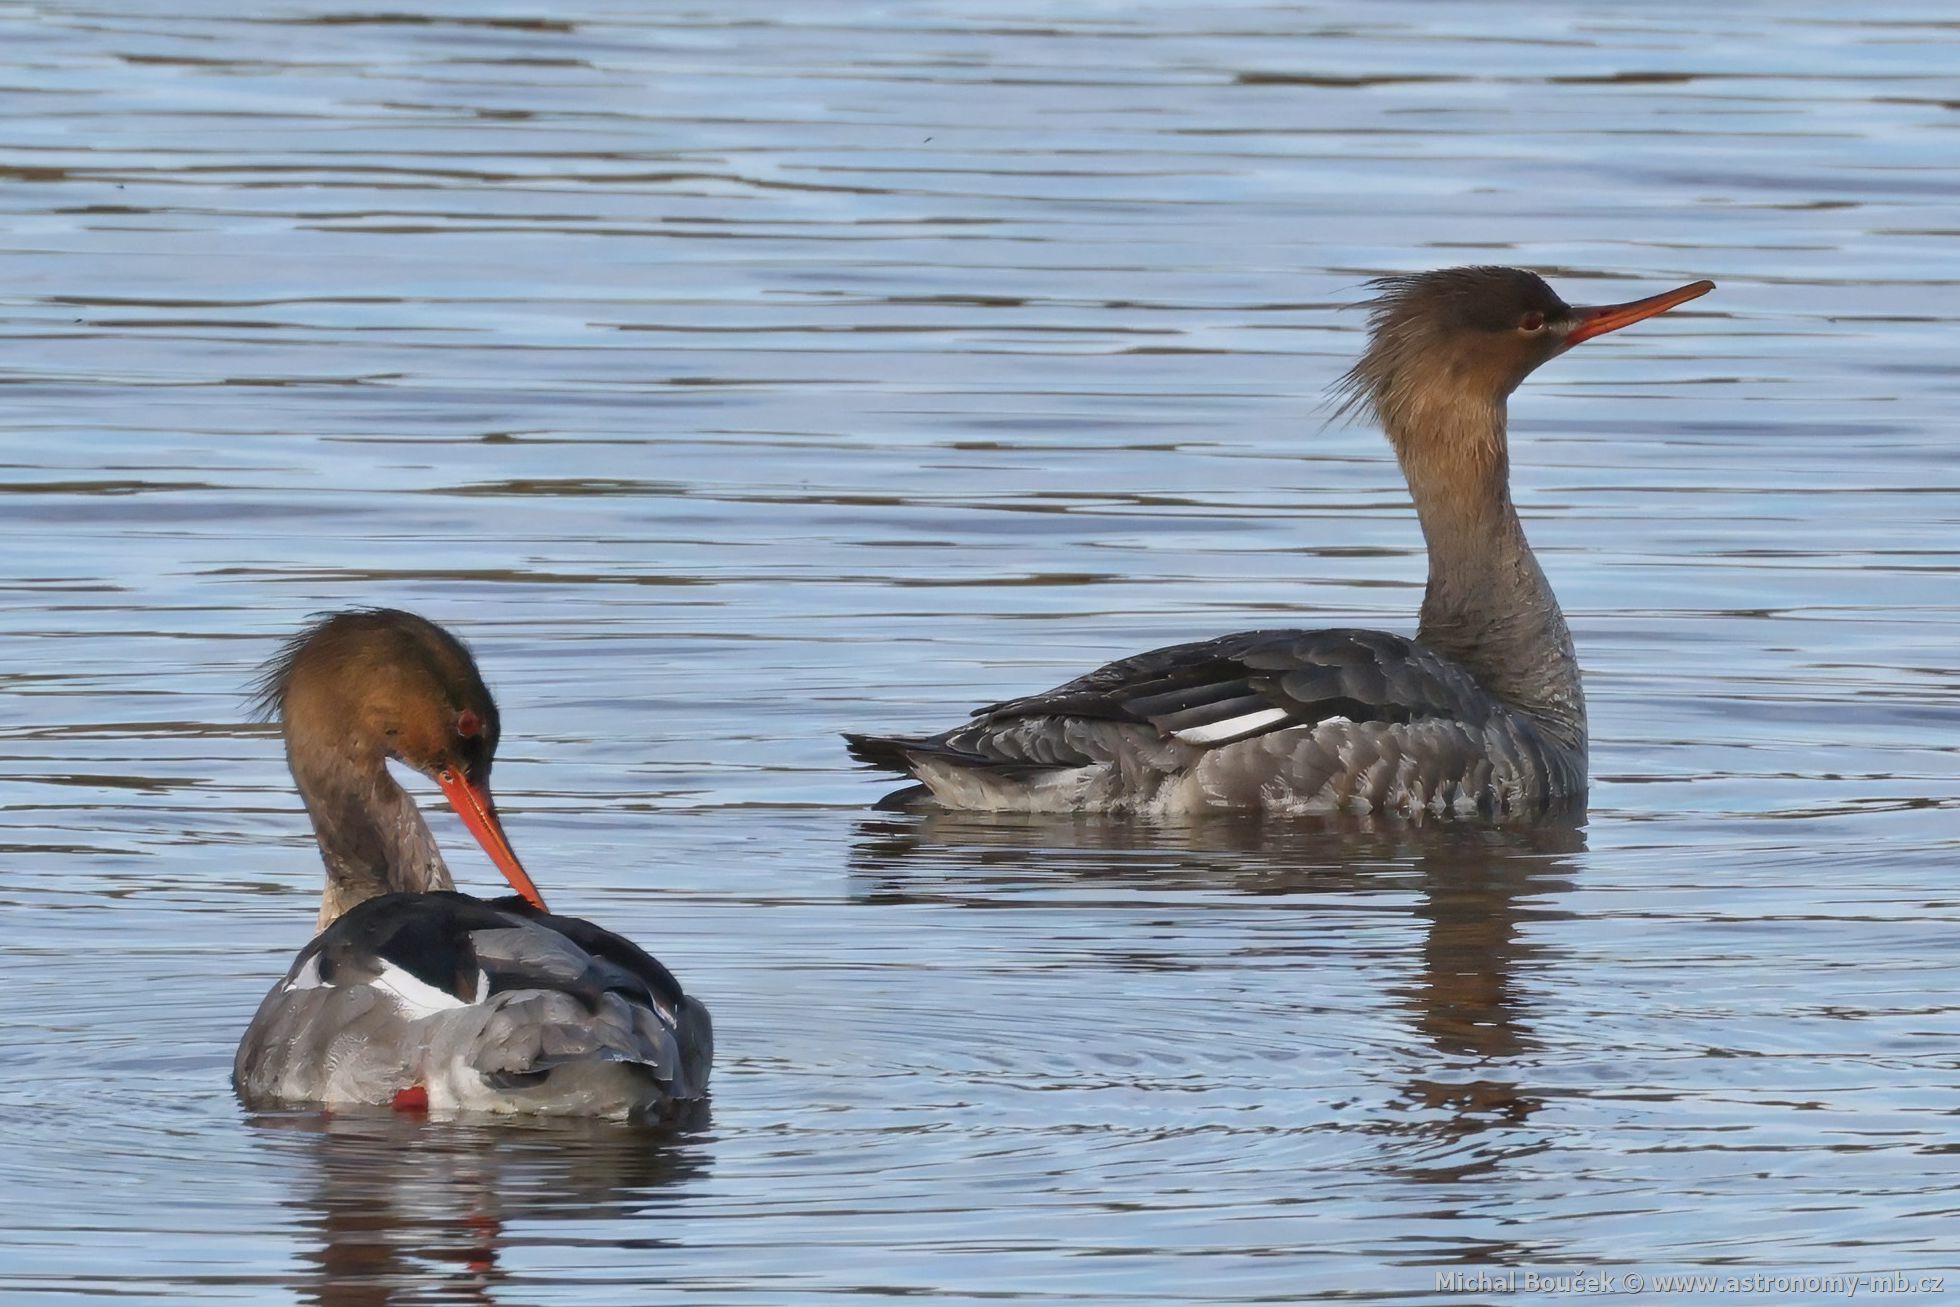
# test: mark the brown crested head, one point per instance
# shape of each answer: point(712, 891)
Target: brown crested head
point(377, 683)
point(1460, 340)
point(1463, 335)
point(360, 687)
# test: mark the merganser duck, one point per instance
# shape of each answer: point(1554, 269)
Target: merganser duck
point(412, 994)
point(1482, 711)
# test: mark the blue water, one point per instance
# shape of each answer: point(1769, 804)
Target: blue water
point(732, 375)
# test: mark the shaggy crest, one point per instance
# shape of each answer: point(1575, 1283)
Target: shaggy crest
point(361, 635)
point(1456, 325)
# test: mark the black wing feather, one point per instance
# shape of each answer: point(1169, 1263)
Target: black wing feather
point(429, 936)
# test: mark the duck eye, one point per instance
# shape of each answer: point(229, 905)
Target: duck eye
point(1532, 321)
point(468, 724)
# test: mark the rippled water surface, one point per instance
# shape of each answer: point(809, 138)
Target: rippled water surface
point(734, 374)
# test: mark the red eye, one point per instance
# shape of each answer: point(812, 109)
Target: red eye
point(1532, 321)
point(468, 724)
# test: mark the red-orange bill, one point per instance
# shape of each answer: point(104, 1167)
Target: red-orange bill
point(1597, 320)
point(473, 805)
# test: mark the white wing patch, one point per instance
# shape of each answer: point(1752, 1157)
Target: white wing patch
point(417, 997)
point(1232, 727)
point(308, 977)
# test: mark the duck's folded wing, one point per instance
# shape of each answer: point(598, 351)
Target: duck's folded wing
point(1203, 696)
point(570, 991)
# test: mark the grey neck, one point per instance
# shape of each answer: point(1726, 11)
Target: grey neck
point(372, 838)
point(1488, 604)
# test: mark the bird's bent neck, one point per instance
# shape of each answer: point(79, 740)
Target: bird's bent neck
point(371, 834)
point(1488, 604)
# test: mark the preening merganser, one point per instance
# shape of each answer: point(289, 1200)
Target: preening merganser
point(412, 994)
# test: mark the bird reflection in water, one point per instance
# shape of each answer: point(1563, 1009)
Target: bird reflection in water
point(1474, 887)
point(411, 1210)
point(1469, 999)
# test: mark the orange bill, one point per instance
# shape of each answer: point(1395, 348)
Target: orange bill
point(1600, 319)
point(473, 805)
